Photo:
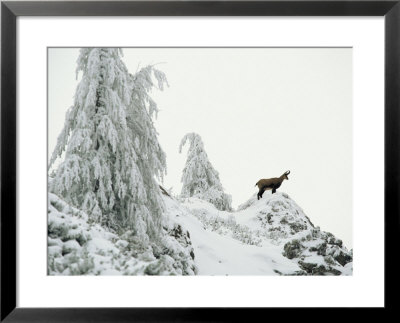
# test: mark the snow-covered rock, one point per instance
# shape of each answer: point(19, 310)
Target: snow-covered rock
point(274, 226)
point(76, 246)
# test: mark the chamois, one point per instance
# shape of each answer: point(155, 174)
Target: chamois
point(270, 184)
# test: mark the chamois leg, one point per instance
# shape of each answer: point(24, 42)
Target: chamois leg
point(273, 190)
point(261, 192)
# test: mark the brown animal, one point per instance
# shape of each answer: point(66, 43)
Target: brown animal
point(270, 184)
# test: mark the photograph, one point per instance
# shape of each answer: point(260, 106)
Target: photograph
point(250, 145)
point(209, 161)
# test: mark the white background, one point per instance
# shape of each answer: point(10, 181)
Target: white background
point(364, 288)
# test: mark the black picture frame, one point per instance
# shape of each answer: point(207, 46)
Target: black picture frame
point(10, 10)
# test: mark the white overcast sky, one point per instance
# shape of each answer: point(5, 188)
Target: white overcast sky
point(260, 112)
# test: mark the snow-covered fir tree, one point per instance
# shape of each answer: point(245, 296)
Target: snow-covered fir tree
point(199, 177)
point(112, 154)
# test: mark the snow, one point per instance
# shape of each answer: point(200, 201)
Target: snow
point(110, 149)
point(108, 216)
point(224, 255)
point(78, 247)
point(270, 236)
point(101, 244)
point(252, 240)
point(199, 178)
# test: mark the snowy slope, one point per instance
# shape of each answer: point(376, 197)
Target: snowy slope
point(217, 251)
point(76, 246)
point(271, 236)
point(267, 236)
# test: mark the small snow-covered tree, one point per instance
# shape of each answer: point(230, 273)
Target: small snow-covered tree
point(112, 154)
point(199, 177)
